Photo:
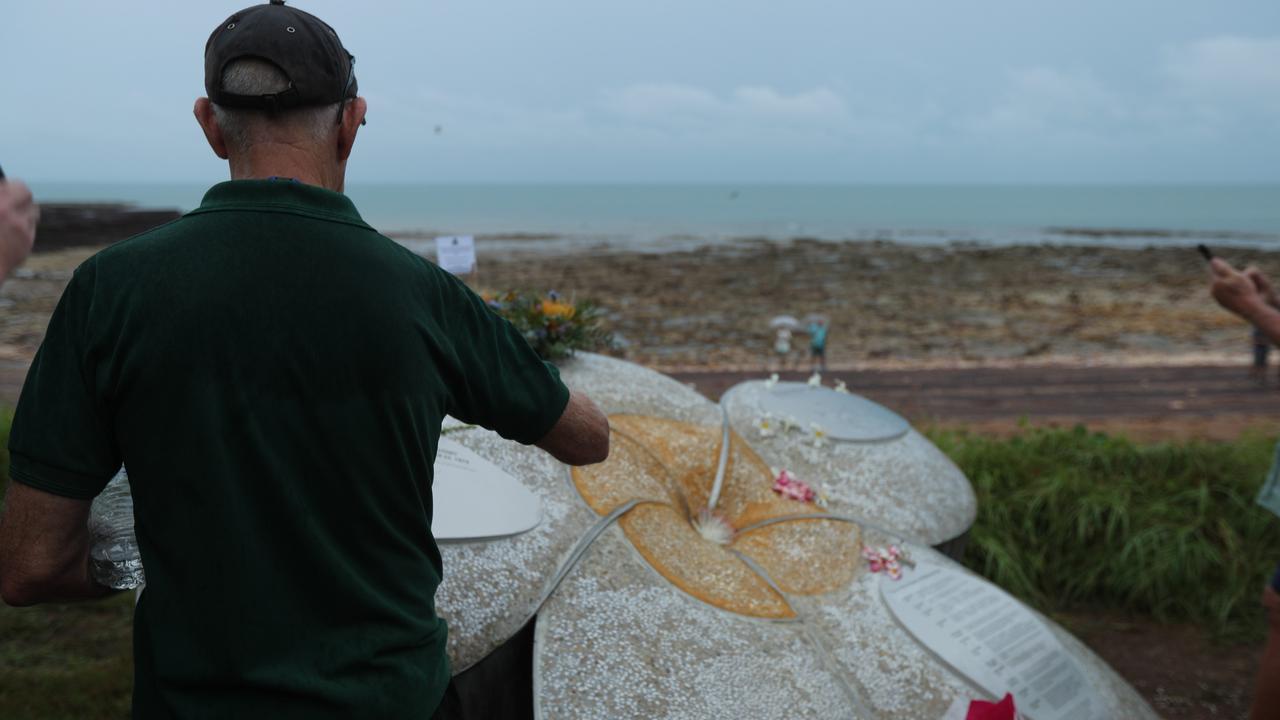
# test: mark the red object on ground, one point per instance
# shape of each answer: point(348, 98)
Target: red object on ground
point(983, 710)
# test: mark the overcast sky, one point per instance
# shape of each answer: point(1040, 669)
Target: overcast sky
point(687, 91)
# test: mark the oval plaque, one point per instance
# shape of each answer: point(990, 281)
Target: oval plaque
point(474, 499)
point(843, 416)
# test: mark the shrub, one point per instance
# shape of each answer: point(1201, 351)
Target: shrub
point(1069, 519)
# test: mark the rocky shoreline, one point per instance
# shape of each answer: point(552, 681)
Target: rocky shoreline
point(898, 305)
point(891, 306)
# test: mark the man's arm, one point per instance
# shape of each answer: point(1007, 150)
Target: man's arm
point(44, 548)
point(1245, 295)
point(581, 435)
point(18, 217)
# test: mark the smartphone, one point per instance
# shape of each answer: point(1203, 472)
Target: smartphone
point(1204, 250)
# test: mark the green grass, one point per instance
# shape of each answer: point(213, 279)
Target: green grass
point(64, 661)
point(67, 661)
point(1069, 519)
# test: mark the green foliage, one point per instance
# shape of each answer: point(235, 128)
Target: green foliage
point(67, 661)
point(1071, 519)
point(554, 327)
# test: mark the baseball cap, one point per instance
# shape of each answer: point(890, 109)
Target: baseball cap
point(304, 47)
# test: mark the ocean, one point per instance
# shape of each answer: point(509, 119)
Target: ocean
point(672, 216)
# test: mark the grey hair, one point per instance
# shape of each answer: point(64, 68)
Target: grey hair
point(242, 128)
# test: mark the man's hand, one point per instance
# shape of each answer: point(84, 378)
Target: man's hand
point(18, 217)
point(1237, 291)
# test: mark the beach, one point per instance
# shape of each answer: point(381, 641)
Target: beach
point(890, 306)
point(895, 306)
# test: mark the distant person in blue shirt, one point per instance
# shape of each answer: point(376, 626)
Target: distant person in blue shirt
point(818, 345)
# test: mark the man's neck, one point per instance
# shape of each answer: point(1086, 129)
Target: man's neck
point(266, 161)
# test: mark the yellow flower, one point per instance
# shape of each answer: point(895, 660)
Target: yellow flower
point(557, 309)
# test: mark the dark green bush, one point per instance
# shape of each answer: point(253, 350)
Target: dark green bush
point(1070, 519)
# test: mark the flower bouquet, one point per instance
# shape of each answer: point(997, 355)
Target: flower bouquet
point(553, 326)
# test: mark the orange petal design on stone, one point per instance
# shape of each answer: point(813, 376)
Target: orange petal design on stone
point(748, 497)
point(690, 452)
point(630, 473)
point(670, 467)
point(705, 570)
point(805, 557)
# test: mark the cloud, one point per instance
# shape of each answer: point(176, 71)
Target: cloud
point(759, 106)
point(1227, 68)
point(1049, 100)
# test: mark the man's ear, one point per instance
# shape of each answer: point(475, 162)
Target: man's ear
point(209, 124)
point(352, 119)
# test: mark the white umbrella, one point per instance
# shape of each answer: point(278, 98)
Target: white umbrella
point(785, 321)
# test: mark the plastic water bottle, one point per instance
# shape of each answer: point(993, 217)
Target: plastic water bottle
point(113, 553)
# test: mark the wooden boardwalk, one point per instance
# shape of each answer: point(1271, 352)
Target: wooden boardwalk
point(1212, 401)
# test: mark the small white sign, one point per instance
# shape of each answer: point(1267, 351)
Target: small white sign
point(992, 639)
point(473, 499)
point(456, 254)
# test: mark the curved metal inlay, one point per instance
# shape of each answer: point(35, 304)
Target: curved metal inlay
point(894, 535)
point(581, 547)
point(571, 561)
point(824, 654)
point(718, 485)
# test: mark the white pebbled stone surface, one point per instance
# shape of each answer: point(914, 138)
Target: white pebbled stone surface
point(906, 484)
point(618, 386)
point(618, 641)
point(898, 678)
point(491, 588)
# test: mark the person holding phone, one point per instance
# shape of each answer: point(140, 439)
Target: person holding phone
point(18, 217)
point(1250, 294)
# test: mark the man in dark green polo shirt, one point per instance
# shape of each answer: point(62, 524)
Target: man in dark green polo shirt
point(273, 372)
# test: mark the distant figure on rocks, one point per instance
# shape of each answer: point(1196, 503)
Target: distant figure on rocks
point(1251, 295)
point(782, 346)
point(18, 217)
point(1261, 350)
point(818, 345)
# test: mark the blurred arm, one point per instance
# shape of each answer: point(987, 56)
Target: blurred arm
point(18, 217)
point(581, 435)
point(44, 548)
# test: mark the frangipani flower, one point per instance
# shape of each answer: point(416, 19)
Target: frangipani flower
point(841, 387)
point(629, 620)
point(815, 380)
point(771, 382)
point(668, 468)
point(788, 486)
point(819, 435)
point(765, 426)
point(888, 560)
